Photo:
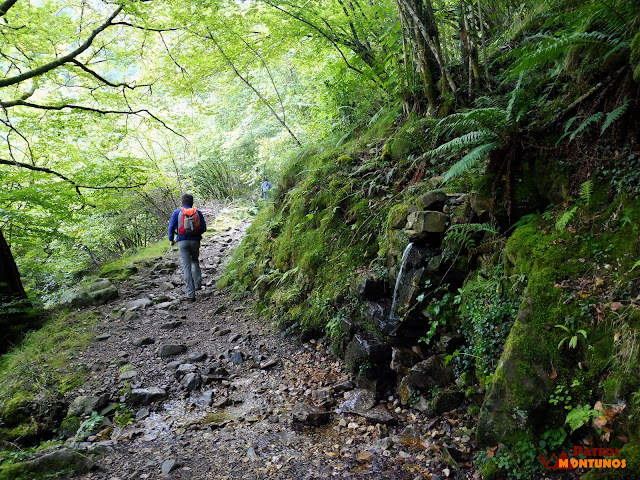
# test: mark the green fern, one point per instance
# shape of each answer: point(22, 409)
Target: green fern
point(565, 218)
point(469, 160)
point(613, 115)
point(586, 189)
point(596, 117)
point(463, 234)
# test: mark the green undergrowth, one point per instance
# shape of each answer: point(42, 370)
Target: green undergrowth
point(574, 341)
point(36, 374)
point(118, 269)
point(324, 222)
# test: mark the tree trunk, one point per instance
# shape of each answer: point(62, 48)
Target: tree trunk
point(11, 288)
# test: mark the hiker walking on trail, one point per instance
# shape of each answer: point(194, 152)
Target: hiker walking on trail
point(266, 186)
point(189, 224)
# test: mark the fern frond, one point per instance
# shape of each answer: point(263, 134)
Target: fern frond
point(469, 160)
point(462, 234)
point(613, 115)
point(596, 117)
point(463, 142)
point(586, 189)
point(565, 218)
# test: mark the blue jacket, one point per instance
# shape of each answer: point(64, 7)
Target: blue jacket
point(173, 227)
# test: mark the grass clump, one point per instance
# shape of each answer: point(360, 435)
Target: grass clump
point(35, 375)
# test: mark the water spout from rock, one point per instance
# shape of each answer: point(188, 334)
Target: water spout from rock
point(405, 255)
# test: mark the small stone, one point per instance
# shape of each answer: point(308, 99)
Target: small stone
point(166, 286)
point(139, 342)
point(130, 316)
point(128, 375)
point(219, 309)
point(191, 381)
point(170, 465)
point(197, 357)
point(142, 413)
point(170, 325)
point(236, 358)
point(268, 363)
point(138, 304)
point(174, 365)
point(223, 332)
point(169, 349)
point(103, 336)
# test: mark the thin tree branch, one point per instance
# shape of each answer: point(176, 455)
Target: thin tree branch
point(246, 82)
point(104, 80)
point(22, 103)
point(4, 82)
point(148, 29)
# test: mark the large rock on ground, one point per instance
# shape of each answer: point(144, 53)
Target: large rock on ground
point(309, 414)
point(98, 293)
point(427, 222)
point(84, 405)
point(432, 201)
point(359, 402)
point(169, 349)
point(146, 396)
point(369, 357)
point(59, 460)
point(430, 373)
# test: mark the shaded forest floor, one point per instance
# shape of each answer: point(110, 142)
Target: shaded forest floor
point(240, 421)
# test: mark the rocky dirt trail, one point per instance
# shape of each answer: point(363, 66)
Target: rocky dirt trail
point(215, 393)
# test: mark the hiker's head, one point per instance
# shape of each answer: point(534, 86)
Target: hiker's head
point(265, 179)
point(187, 200)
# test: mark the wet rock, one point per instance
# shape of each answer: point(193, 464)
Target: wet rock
point(63, 459)
point(447, 400)
point(368, 286)
point(359, 402)
point(432, 201)
point(138, 304)
point(172, 305)
point(323, 397)
point(84, 405)
point(170, 325)
point(184, 369)
point(430, 373)
point(142, 413)
point(169, 349)
point(170, 465)
point(146, 396)
point(268, 363)
point(197, 357)
point(402, 359)
point(128, 375)
point(141, 341)
point(130, 316)
point(343, 386)
point(174, 365)
point(427, 222)
point(191, 381)
point(369, 357)
point(309, 414)
point(98, 293)
point(380, 414)
point(236, 358)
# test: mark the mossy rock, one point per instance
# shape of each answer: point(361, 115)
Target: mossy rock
point(70, 426)
point(64, 462)
point(521, 384)
point(631, 455)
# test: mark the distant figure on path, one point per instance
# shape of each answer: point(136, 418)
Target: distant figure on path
point(189, 224)
point(265, 187)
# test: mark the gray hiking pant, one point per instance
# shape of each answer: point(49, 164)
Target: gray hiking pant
point(189, 253)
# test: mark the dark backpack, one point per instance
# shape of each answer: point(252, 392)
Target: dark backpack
point(188, 222)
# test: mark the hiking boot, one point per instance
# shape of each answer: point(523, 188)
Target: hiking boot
point(190, 299)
